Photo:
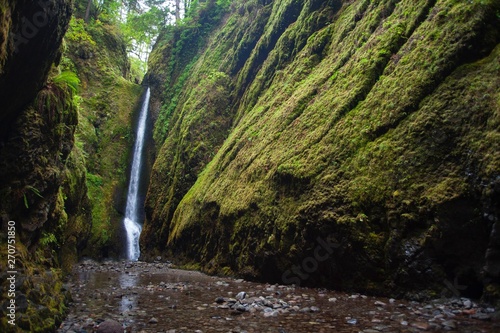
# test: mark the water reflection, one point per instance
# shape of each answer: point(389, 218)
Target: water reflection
point(128, 282)
point(185, 301)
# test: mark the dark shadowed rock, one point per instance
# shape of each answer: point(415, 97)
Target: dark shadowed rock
point(110, 326)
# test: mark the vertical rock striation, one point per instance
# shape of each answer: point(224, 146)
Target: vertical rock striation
point(372, 123)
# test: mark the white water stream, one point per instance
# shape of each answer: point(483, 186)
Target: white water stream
point(131, 221)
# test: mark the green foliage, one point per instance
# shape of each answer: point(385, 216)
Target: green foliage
point(172, 98)
point(224, 3)
point(107, 10)
point(78, 34)
point(48, 240)
point(184, 42)
point(141, 29)
point(68, 78)
point(34, 191)
point(94, 180)
point(137, 69)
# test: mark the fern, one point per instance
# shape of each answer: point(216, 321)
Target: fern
point(48, 238)
point(25, 201)
point(34, 190)
point(69, 78)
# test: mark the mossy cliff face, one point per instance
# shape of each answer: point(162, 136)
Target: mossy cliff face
point(172, 64)
point(95, 51)
point(373, 126)
point(42, 179)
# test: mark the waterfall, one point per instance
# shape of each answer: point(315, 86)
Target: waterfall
point(132, 224)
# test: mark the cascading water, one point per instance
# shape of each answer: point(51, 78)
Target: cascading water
point(132, 225)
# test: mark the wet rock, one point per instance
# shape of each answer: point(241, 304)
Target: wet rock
point(270, 314)
point(241, 295)
point(440, 315)
point(481, 316)
point(110, 326)
point(382, 328)
point(449, 324)
point(421, 326)
point(241, 308)
point(153, 320)
point(352, 321)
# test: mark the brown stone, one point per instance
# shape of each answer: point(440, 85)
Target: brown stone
point(110, 326)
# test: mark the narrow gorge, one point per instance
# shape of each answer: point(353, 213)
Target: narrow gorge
point(330, 165)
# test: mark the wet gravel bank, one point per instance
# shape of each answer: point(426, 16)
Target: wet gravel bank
point(153, 297)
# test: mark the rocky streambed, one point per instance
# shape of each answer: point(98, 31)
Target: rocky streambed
point(154, 297)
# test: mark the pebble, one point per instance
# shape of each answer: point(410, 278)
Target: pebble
point(449, 324)
point(270, 314)
point(352, 321)
point(421, 326)
point(241, 308)
point(481, 316)
point(257, 301)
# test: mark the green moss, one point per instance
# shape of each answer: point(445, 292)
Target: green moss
point(371, 121)
point(107, 99)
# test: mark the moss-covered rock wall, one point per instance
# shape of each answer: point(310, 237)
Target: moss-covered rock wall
point(95, 51)
point(373, 124)
point(42, 174)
